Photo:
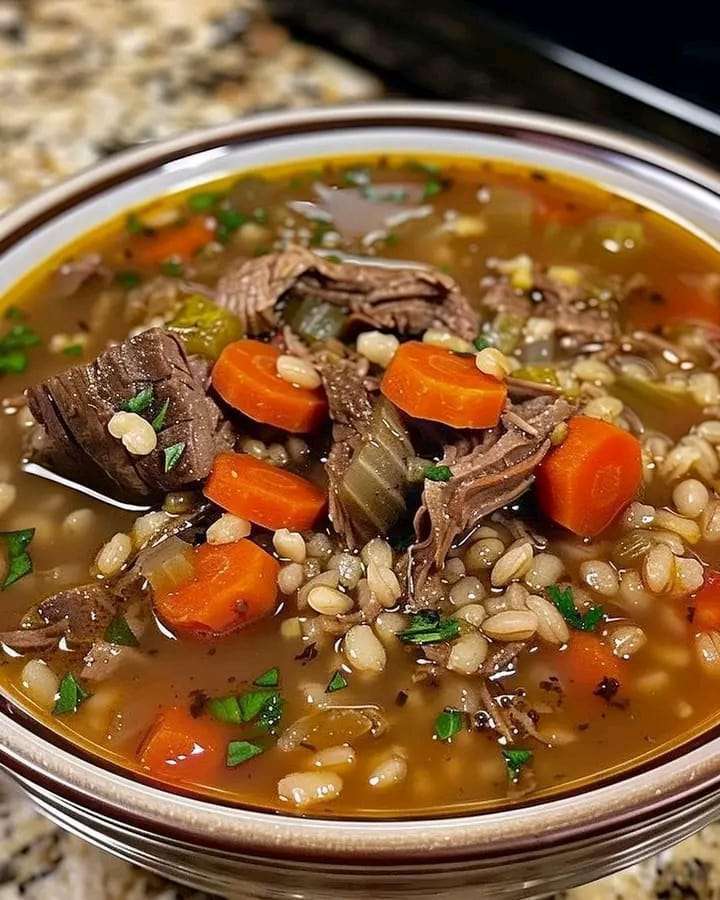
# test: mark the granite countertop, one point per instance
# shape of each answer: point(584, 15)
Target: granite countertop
point(80, 80)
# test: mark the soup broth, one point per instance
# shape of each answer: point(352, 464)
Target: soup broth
point(505, 383)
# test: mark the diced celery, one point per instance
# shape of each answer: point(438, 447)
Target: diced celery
point(315, 320)
point(205, 327)
point(538, 374)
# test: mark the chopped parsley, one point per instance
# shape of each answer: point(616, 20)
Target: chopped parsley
point(432, 187)
point(480, 343)
point(127, 278)
point(70, 695)
point(563, 600)
point(140, 402)
point(438, 473)
point(515, 760)
point(133, 225)
point(159, 421)
point(428, 627)
point(13, 347)
point(203, 201)
point(263, 705)
point(269, 679)
point(173, 454)
point(19, 563)
point(225, 709)
point(14, 312)
point(73, 350)
point(241, 751)
point(252, 703)
point(172, 267)
point(119, 632)
point(448, 723)
point(229, 220)
point(338, 682)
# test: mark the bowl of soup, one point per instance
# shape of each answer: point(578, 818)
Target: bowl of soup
point(359, 479)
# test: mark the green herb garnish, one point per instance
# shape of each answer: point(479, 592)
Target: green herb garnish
point(14, 312)
point(73, 350)
point(438, 473)
point(172, 268)
point(173, 454)
point(480, 343)
point(159, 420)
point(13, 362)
point(133, 225)
point(19, 337)
point(515, 760)
point(241, 751)
point(70, 695)
point(203, 201)
point(127, 278)
point(225, 709)
point(448, 724)
point(140, 402)
point(19, 563)
point(119, 632)
point(431, 188)
point(252, 702)
point(229, 220)
point(428, 627)
point(563, 600)
point(338, 682)
point(269, 679)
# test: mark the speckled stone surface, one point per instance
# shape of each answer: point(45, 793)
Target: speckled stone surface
point(80, 79)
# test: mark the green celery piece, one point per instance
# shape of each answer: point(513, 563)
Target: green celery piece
point(204, 327)
point(315, 320)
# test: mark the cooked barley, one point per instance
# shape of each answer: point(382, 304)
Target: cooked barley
point(687, 529)
point(626, 640)
point(290, 545)
point(453, 570)
point(341, 756)
point(228, 529)
point(349, 568)
point(690, 497)
point(689, 575)
point(328, 601)
point(467, 653)
point(383, 583)
point(113, 555)
point(474, 614)
point(79, 523)
point(512, 625)
point(330, 579)
point(389, 772)
point(290, 578)
point(659, 569)
point(40, 683)
point(378, 551)
point(545, 570)
point(379, 348)
point(512, 564)
point(298, 372)
point(550, 624)
point(319, 546)
point(304, 789)
point(491, 361)
point(600, 576)
point(363, 650)
point(467, 589)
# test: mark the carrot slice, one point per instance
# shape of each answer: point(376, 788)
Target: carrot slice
point(176, 242)
point(264, 494)
point(707, 604)
point(181, 748)
point(245, 376)
point(433, 383)
point(233, 584)
point(585, 482)
point(586, 661)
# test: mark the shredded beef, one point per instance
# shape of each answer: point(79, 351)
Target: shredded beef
point(73, 410)
point(104, 660)
point(489, 476)
point(574, 312)
point(84, 612)
point(72, 275)
point(403, 299)
point(33, 640)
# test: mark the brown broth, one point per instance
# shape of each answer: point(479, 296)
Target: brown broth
point(590, 737)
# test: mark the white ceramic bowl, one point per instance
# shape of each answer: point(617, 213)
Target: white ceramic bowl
point(526, 851)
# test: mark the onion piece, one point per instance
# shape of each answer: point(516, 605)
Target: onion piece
point(333, 725)
point(168, 565)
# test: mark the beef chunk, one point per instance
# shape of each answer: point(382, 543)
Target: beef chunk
point(408, 300)
point(84, 612)
point(488, 475)
point(73, 410)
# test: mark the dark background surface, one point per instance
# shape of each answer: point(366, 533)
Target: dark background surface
point(507, 54)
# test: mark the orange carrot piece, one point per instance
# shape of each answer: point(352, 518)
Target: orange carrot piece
point(245, 376)
point(707, 604)
point(677, 305)
point(430, 382)
point(175, 242)
point(264, 494)
point(585, 482)
point(233, 585)
point(181, 748)
point(585, 662)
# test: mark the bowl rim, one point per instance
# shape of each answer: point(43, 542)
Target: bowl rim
point(36, 760)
